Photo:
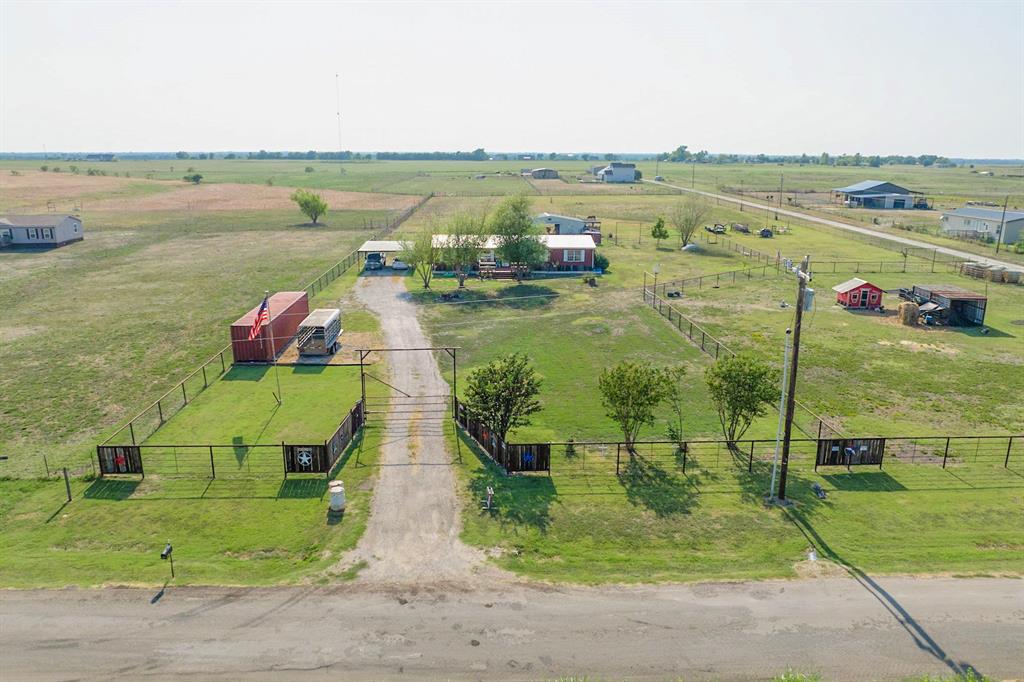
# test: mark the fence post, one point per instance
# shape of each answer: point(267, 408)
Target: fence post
point(618, 451)
point(684, 459)
point(206, 384)
point(750, 462)
point(131, 430)
point(222, 367)
point(213, 470)
point(284, 459)
point(1009, 446)
point(945, 454)
point(67, 483)
point(184, 396)
point(160, 411)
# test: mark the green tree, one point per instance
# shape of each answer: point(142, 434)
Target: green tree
point(677, 394)
point(503, 393)
point(461, 251)
point(194, 178)
point(687, 216)
point(518, 240)
point(742, 388)
point(310, 203)
point(181, 155)
point(422, 255)
point(630, 392)
point(659, 232)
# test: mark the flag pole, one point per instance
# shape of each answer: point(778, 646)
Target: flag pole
point(273, 356)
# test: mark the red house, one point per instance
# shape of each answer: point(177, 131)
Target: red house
point(856, 293)
point(570, 251)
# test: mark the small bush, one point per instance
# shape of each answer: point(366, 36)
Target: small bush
point(44, 168)
point(309, 169)
point(601, 261)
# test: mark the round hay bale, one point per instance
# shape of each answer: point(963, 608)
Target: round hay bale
point(908, 312)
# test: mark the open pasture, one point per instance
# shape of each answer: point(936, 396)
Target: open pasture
point(94, 331)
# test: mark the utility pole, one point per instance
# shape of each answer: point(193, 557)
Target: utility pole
point(1002, 223)
point(780, 196)
point(693, 175)
point(741, 196)
point(802, 278)
point(782, 411)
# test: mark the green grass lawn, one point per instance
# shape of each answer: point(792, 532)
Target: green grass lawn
point(874, 375)
point(241, 408)
point(228, 531)
point(655, 523)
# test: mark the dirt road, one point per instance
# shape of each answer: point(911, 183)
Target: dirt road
point(413, 531)
point(837, 627)
point(964, 255)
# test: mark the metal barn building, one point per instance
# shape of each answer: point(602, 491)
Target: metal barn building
point(878, 194)
point(617, 171)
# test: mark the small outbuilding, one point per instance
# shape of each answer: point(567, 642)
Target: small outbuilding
point(950, 304)
point(857, 293)
point(46, 230)
point(544, 174)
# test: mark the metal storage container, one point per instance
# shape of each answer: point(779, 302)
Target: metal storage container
point(318, 333)
point(287, 310)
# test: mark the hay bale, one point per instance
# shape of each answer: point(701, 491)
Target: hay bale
point(1011, 276)
point(908, 312)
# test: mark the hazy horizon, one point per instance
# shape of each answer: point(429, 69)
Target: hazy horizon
point(775, 78)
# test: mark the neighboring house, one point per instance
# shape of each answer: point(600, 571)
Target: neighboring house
point(983, 223)
point(565, 251)
point(856, 293)
point(618, 171)
point(560, 224)
point(544, 174)
point(878, 194)
point(48, 229)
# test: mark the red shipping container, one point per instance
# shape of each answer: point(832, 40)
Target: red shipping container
point(287, 310)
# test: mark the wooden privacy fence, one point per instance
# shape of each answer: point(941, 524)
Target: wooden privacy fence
point(810, 423)
point(234, 460)
point(512, 457)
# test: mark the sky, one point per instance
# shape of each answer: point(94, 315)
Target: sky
point(777, 78)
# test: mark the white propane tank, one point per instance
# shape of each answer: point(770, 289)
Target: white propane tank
point(337, 490)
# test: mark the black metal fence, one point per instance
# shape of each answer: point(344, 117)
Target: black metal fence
point(512, 457)
point(596, 458)
point(145, 423)
point(810, 423)
point(234, 460)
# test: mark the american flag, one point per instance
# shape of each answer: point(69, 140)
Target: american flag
point(262, 318)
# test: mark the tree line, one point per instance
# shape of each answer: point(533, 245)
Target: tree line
point(682, 154)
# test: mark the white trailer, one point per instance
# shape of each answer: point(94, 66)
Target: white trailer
point(318, 333)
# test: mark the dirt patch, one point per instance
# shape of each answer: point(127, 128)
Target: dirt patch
point(32, 190)
point(822, 568)
point(917, 347)
point(13, 333)
point(240, 197)
point(346, 355)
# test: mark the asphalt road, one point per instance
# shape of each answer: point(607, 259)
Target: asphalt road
point(964, 255)
point(840, 627)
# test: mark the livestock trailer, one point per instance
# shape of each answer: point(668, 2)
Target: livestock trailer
point(318, 333)
point(287, 310)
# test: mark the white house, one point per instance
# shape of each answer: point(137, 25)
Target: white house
point(983, 223)
point(48, 229)
point(565, 251)
point(617, 171)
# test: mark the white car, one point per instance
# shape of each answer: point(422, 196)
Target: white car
point(399, 265)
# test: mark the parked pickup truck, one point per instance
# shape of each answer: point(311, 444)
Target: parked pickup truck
point(374, 261)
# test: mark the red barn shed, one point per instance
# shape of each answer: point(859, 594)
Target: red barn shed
point(856, 293)
point(287, 310)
